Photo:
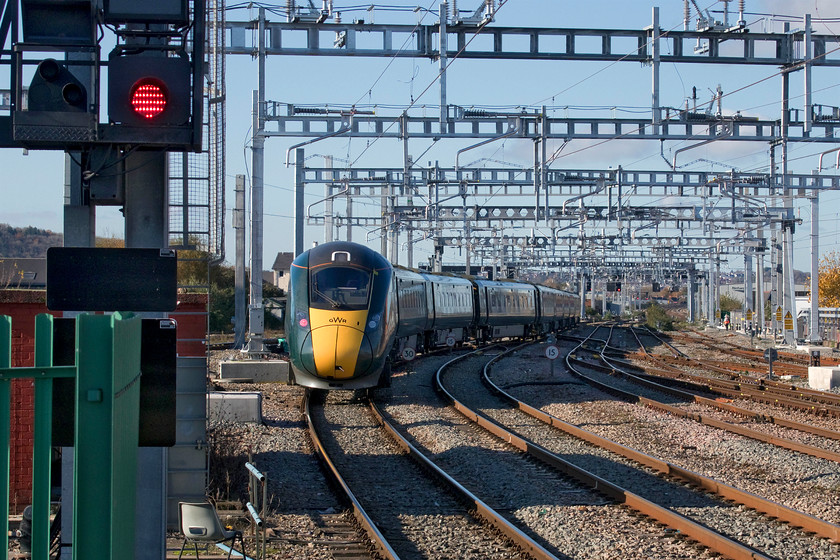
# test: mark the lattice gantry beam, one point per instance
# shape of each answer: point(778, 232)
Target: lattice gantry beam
point(300, 123)
point(673, 215)
point(520, 181)
point(604, 242)
point(521, 43)
point(524, 216)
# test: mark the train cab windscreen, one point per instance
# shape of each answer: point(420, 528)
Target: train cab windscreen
point(340, 287)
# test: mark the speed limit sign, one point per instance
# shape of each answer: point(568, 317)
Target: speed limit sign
point(408, 354)
point(450, 341)
point(552, 352)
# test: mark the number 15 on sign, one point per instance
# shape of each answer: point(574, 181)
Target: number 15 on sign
point(552, 353)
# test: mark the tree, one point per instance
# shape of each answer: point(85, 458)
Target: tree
point(222, 296)
point(658, 318)
point(112, 242)
point(729, 303)
point(829, 280)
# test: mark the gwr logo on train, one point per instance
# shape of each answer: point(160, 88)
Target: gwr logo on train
point(338, 320)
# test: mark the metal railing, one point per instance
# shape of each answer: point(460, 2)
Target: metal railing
point(258, 494)
point(107, 408)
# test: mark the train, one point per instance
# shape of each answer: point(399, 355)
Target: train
point(350, 314)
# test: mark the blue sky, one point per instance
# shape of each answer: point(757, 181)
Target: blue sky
point(34, 182)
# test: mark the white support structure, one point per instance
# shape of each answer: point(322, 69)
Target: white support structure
point(814, 331)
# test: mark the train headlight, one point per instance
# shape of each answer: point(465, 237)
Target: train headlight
point(374, 321)
point(301, 319)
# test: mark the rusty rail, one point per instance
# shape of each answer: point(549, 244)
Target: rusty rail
point(760, 390)
point(484, 511)
point(699, 533)
point(646, 381)
point(376, 537)
point(788, 515)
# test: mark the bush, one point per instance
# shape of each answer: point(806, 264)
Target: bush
point(658, 318)
point(228, 480)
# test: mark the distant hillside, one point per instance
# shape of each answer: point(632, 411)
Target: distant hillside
point(28, 242)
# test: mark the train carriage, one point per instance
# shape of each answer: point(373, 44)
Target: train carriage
point(452, 308)
point(413, 311)
point(556, 309)
point(505, 309)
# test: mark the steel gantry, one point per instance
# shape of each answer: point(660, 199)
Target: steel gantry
point(716, 213)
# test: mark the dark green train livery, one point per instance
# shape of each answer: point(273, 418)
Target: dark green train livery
point(350, 314)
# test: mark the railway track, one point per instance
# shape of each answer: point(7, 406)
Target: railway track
point(647, 389)
point(672, 500)
point(731, 348)
point(406, 511)
point(739, 386)
point(567, 516)
point(607, 379)
point(558, 512)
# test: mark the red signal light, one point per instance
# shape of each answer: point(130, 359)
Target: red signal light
point(148, 98)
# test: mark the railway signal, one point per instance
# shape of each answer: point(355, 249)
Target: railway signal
point(146, 91)
point(55, 89)
point(57, 108)
point(771, 355)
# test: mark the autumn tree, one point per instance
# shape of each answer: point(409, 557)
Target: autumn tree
point(829, 280)
point(729, 303)
point(657, 318)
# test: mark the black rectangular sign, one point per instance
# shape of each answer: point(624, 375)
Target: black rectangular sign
point(85, 279)
point(157, 383)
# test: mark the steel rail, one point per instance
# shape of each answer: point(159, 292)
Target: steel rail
point(707, 537)
point(728, 426)
point(759, 390)
point(799, 368)
point(724, 346)
point(655, 385)
point(676, 351)
point(784, 422)
point(784, 513)
point(484, 511)
point(376, 537)
point(736, 389)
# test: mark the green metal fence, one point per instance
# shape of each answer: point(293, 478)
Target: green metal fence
point(107, 396)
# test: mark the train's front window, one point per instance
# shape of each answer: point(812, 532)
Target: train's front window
point(339, 287)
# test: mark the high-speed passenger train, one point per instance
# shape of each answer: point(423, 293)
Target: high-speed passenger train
point(349, 314)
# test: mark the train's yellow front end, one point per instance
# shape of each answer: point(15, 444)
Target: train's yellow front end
point(341, 317)
point(341, 350)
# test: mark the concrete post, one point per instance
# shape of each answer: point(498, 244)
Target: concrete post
point(256, 318)
point(814, 334)
point(240, 278)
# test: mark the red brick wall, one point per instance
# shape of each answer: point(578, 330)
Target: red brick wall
point(191, 317)
point(22, 306)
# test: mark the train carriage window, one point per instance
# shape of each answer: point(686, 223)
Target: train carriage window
point(340, 287)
